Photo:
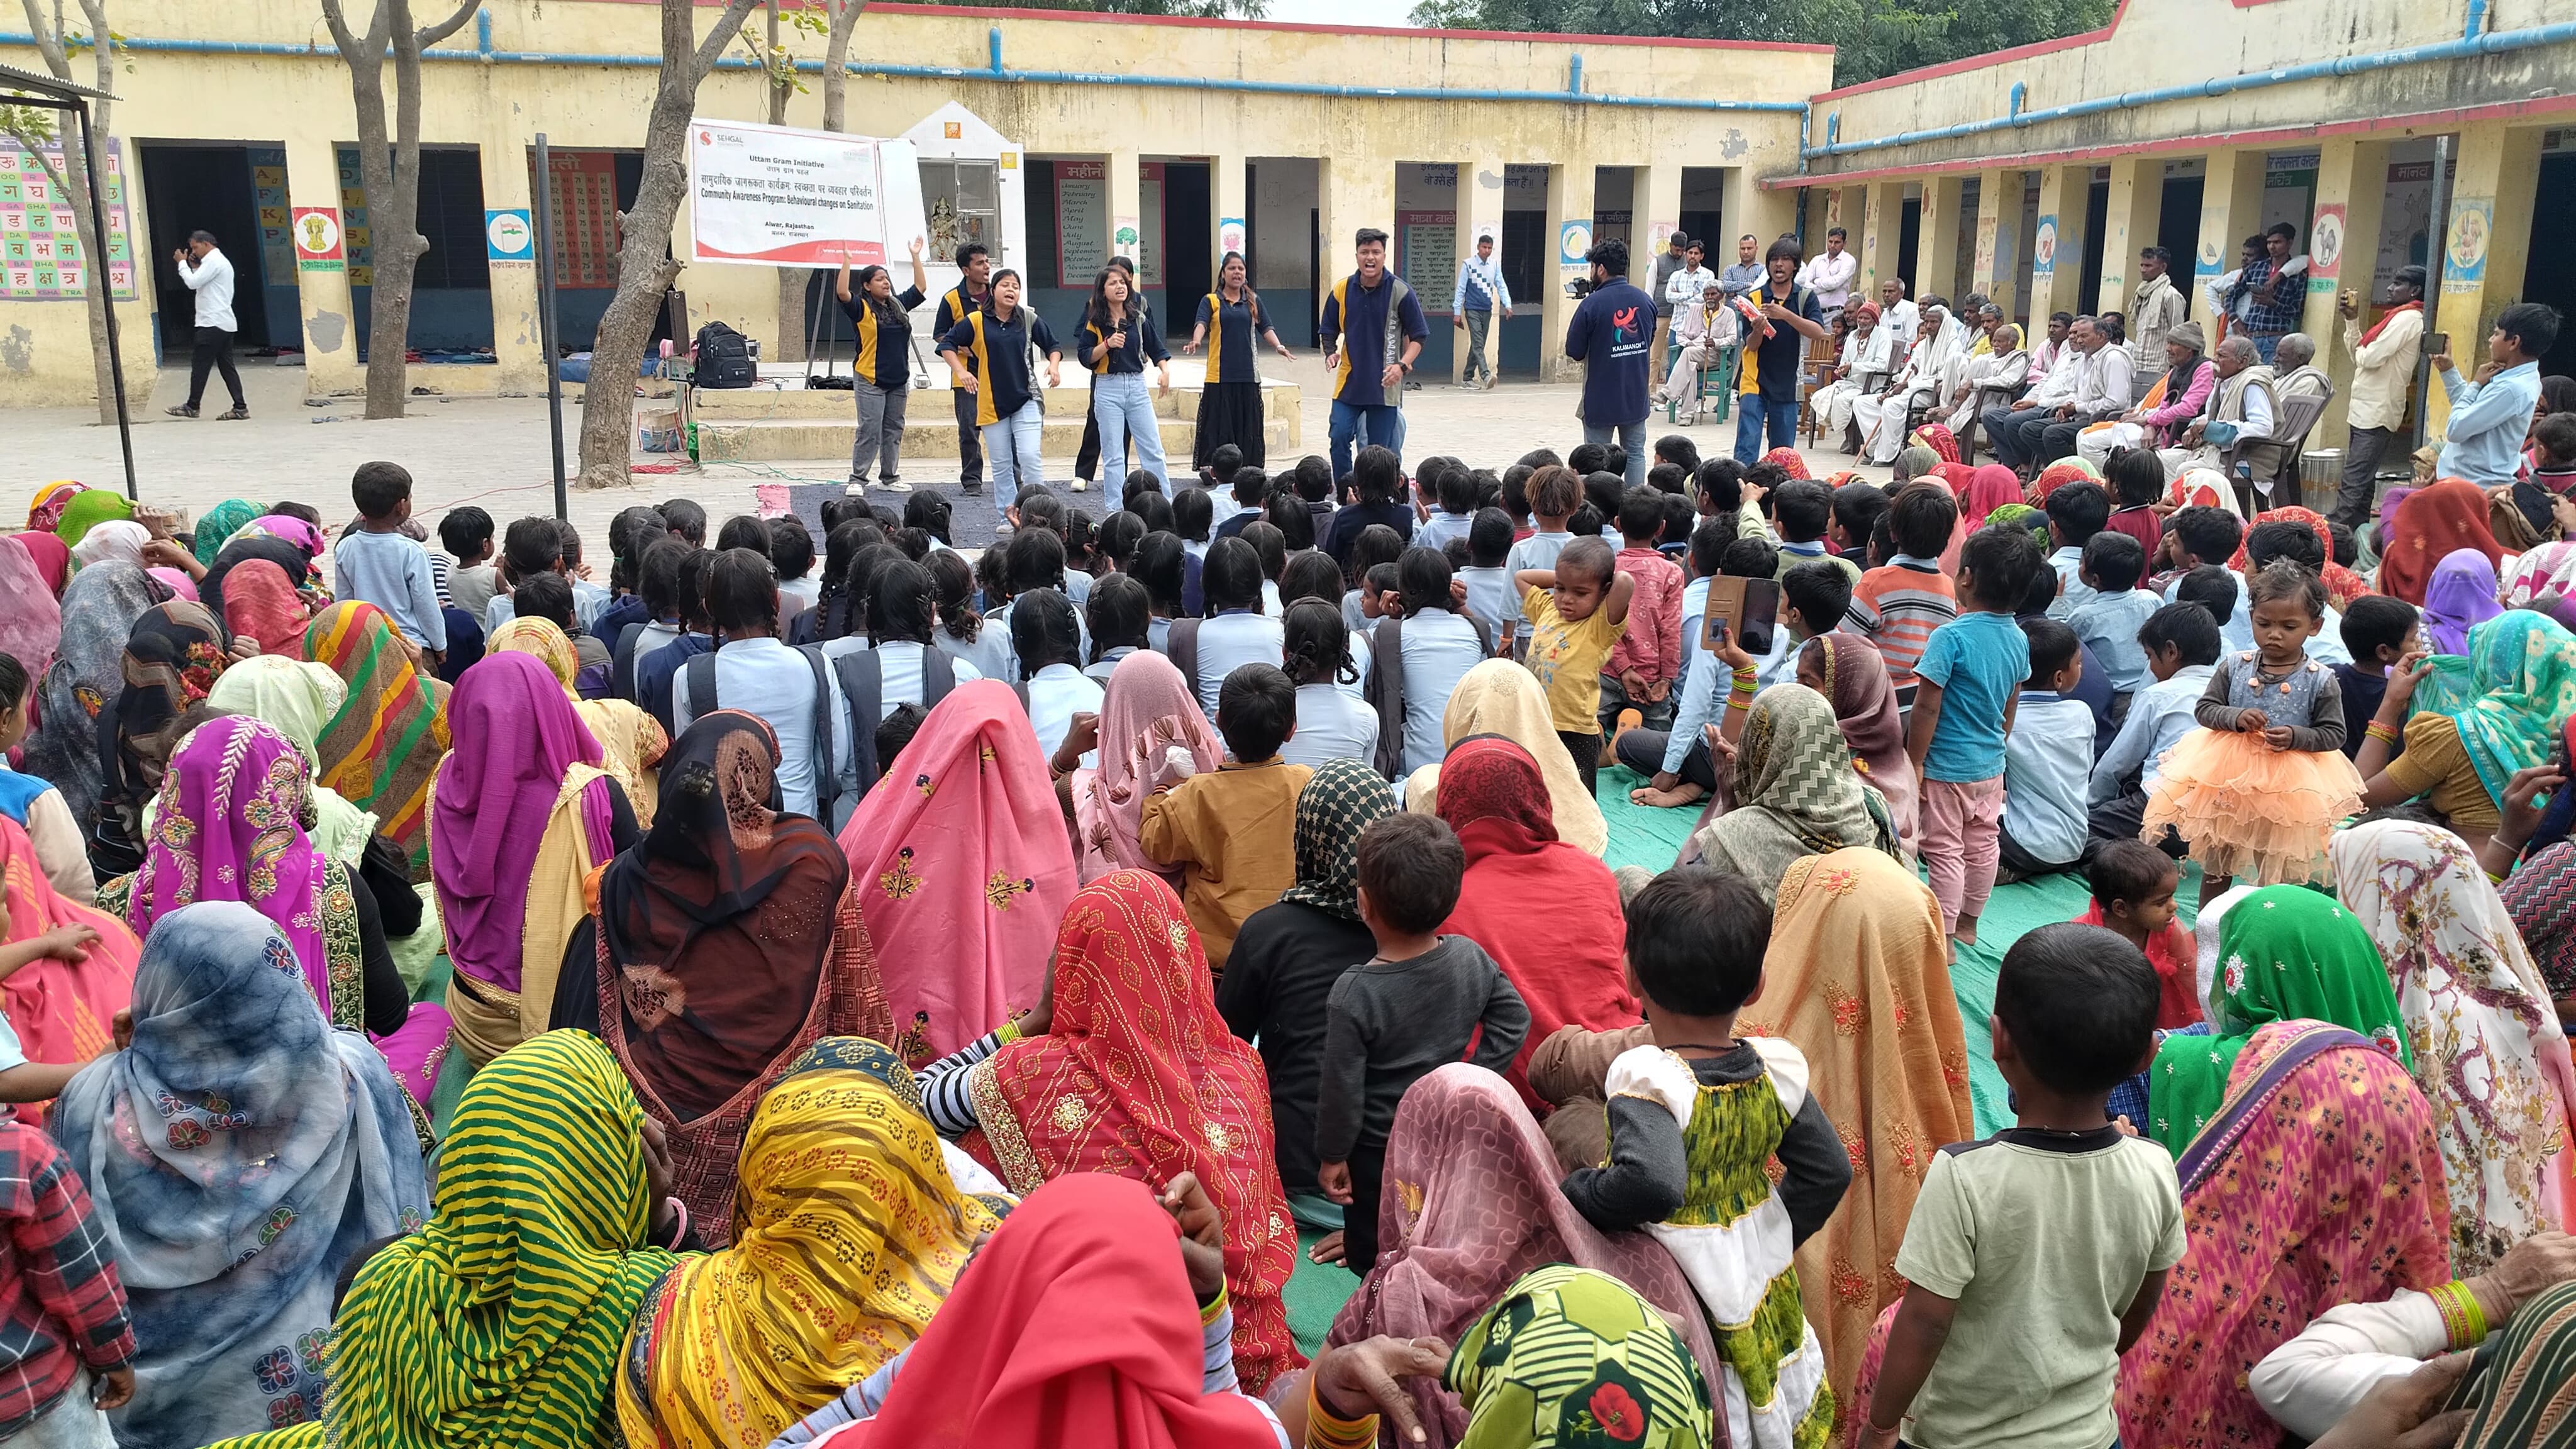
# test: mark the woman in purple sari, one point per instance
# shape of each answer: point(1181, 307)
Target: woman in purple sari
point(520, 813)
point(232, 824)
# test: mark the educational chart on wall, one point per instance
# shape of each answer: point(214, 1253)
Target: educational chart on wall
point(357, 234)
point(40, 250)
point(775, 196)
point(1081, 221)
point(1427, 256)
point(268, 194)
point(583, 189)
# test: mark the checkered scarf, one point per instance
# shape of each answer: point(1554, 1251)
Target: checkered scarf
point(1337, 804)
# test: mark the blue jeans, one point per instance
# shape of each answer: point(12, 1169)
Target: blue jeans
point(1632, 441)
point(2265, 344)
point(1754, 413)
point(1379, 426)
point(1011, 446)
point(1125, 407)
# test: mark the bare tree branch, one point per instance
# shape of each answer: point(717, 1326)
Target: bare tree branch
point(432, 35)
point(728, 25)
point(350, 48)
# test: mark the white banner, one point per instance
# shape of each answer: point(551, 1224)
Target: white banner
point(780, 197)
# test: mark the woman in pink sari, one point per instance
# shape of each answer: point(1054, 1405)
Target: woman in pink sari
point(962, 870)
point(60, 1009)
point(520, 815)
point(1990, 487)
point(229, 827)
point(1472, 1205)
point(1147, 711)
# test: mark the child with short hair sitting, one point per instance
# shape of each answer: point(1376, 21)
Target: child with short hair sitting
point(2035, 1258)
point(2048, 757)
point(2133, 887)
point(1696, 1118)
point(2108, 621)
point(1577, 612)
point(1899, 604)
point(1232, 830)
point(2379, 630)
point(1414, 1006)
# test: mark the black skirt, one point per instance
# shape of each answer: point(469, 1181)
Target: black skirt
point(1229, 412)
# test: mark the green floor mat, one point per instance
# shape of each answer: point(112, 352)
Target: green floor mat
point(1641, 834)
point(1316, 1291)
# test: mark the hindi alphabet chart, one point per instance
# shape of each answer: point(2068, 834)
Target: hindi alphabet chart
point(40, 248)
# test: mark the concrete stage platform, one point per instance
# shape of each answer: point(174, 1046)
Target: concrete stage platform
point(781, 420)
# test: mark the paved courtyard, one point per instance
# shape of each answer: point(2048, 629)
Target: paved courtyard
point(494, 452)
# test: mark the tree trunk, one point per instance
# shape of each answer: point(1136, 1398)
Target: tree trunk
point(389, 167)
point(791, 280)
point(74, 179)
point(836, 62)
point(644, 263)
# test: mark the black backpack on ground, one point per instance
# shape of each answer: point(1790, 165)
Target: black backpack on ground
point(723, 358)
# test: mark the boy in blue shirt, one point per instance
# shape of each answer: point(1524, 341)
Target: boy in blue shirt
point(377, 563)
point(1966, 686)
point(2109, 621)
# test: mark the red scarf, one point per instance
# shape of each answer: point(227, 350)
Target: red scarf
point(1547, 912)
point(1138, 1076)
point(2385, 318)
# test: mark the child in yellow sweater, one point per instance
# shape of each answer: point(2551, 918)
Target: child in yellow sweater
point(1577, 611)
point(1233, 830)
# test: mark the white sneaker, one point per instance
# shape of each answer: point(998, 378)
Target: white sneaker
point(894, 485)
point(1081, 485)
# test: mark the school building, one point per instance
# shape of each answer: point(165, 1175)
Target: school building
point(1057, 138)
point(2386, 131)
point(2441, 134)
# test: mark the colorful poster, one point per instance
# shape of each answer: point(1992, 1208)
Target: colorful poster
point(507, 237)
point(318, 240)
point(268, 194)
point(2464, 255)
point(775, 196)
point(40, 249)
point(2043, 251)
point(1229, 234)
point(2326, 247)
point(1573, 239)
point(356, 234)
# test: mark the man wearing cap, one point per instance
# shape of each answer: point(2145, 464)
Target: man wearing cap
point(2190, 382)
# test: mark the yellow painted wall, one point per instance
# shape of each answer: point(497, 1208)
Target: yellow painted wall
point(2160, 44)
point(304, 102)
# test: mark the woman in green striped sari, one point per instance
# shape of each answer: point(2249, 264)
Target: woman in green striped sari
point(500, 1322)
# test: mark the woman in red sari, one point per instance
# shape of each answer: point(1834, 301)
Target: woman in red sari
point(260, 603)
point(1125, 1067)
point(2430, 525)
point(1547, 912)
point(61, 1008)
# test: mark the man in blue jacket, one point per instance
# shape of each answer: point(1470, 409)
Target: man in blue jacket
point(1608, 335)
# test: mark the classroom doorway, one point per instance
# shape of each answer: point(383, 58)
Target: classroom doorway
point(236, 190)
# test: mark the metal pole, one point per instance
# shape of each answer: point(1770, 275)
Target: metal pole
point(2437, 245)
point(545, 209)
point(98, 277)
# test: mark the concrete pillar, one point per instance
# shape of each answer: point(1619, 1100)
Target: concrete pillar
point(1569, 201)
point(2057, 258)
point(1745, 204)
point(2129, 223)
point(2231, 209)
point(1880, 234)
point(330, 321)
point(1126, 204)
point(1480, 214)
point(1353, 192)
point(1998, 230)
point(2343, 236)
point(1226, 210)
point(2486, 245)
point(1936, 237)
point(518, 340)
point(1658, 202)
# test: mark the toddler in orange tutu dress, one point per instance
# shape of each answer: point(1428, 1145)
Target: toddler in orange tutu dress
point(2258, 788)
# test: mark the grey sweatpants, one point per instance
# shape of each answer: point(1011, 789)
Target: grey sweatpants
point(880, 432)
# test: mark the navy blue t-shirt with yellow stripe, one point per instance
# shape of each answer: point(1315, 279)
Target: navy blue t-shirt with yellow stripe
point(1000, 353)
point(885, 347)
point(1144, 344)
point(954, 307)
point(1356, 314)
point(1234, 330)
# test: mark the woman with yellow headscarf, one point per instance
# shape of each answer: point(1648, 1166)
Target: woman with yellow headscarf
point(848, 1233)
point(632, 741)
